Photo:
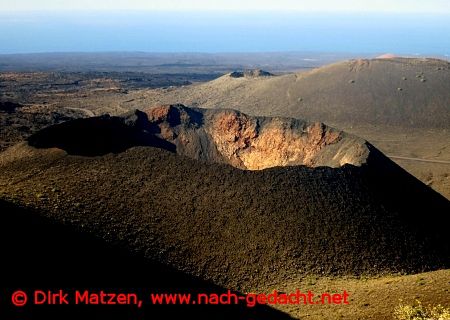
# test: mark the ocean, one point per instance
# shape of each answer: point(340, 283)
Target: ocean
point(408, 34)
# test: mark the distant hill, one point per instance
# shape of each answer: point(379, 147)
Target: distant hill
point(172, 191)
point(155, 63)
point(389, 91)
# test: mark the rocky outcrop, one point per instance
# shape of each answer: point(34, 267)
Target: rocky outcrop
point(254, 143)
point(255, 73)
point(216, 136)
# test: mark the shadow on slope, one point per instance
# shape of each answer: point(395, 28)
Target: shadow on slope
point(9, 107)
point(100, 135)
point(39, 254)
point(423, 211)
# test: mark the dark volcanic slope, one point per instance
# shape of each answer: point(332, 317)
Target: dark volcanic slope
point(41, 254)
point(399, 91)
point(239, 228)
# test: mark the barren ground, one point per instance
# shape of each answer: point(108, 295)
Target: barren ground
point(45, 99)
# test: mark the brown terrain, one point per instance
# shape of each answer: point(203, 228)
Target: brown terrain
point(248, 184)
point(347, 212)
point(400, 105)
point(398, 92)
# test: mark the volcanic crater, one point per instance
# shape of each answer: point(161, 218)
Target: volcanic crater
point(184, 187)
point(222, 136)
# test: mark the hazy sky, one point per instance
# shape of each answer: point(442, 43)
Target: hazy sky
point(416, 6)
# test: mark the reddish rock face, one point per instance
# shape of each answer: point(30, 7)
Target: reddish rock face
point(241, 140)
point(254, 143)
point(157, 114)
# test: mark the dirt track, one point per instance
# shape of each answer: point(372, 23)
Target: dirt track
point(419, 159)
